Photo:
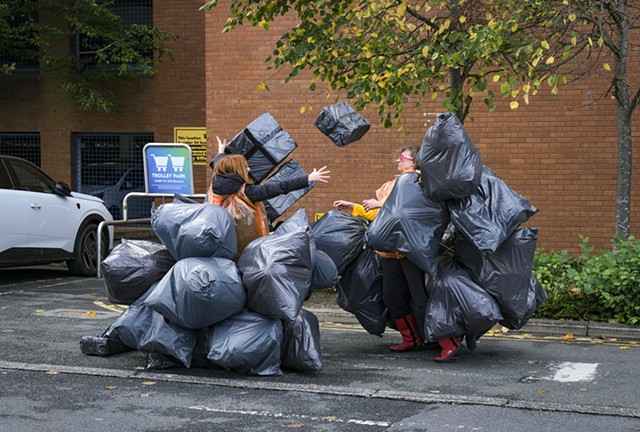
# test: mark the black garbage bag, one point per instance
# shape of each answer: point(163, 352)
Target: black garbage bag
point(141, 328)
point(411, 223)
point(537, 296)
point(449, 161)
point(505, 274)
point(276, 272)
point(157, 361)
point(248, 343)
point(325, 273)
point(195, 230)
point(198, 292)
point(340, 236)
point(457, 306)
point(264, 144)
point(278, 205)
point(342, 124)
point(102, 346)
point(300, 348)
point(132, 267)
point(360, 292)
point(491, 213)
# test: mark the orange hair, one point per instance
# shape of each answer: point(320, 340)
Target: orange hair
point(233, 164)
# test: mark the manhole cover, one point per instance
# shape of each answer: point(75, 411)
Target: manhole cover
point(77, 313)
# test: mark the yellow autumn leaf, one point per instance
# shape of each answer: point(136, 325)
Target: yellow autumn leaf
point(550, 60)
point(541, 391)
point(295, 425)
point(462, 19)
point(425, 51)
point(109, 387)
point(569, 336)
point(262, 86)
point(514, 105)
point(624, 347)
point(496, 78)
point(545, 44)
point(92, 313)
point(148, 383)
point(7, 331)
point(527, 336)
point(39, 310)
point(606, 67)
point(303, 110)
point(53, 373)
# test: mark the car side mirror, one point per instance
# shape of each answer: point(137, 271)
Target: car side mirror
point(61, 188)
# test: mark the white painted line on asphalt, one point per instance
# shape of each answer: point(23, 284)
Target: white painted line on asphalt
point(567, 372)
point(330, 419)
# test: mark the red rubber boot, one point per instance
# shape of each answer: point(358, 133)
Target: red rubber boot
point(411, 339)
point(449, 347)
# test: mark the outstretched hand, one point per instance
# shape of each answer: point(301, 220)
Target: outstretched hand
point(370, 204)
point(319, 175)
point(342, 205)
point(222, 145)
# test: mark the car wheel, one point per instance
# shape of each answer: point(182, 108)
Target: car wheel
point(84, 262)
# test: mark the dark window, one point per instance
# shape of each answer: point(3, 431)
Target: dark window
point(88, 48)
point(22, 145)
point(110, 166)
point(19, 49)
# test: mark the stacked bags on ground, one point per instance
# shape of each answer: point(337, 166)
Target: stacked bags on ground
point(208, 311)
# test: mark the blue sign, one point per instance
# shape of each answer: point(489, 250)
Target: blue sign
point(168, 169)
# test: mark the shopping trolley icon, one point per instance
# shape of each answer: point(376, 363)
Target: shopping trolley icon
point(177, 162)
point(160, 161)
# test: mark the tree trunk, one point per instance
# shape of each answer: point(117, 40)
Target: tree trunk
point(623, 191)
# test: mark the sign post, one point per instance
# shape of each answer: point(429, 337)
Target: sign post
point(168, 169)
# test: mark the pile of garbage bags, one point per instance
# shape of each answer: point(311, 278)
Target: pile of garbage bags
point(460, 224)
point(202, 309)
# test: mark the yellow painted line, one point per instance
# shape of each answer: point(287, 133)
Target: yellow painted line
point(111, 307)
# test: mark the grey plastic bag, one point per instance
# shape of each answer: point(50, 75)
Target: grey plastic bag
point(449, 161)
point(457, 306)
point(247, 343)
point(141, 328)
point(342, 124)
point(276, 272)
point(360, 292)
point(195, 230)
point(198, 292)
point(264, 144)
point(505, 274)
point(132, 267)
point(325, 273)
point(491, 213)
point(411, 223)
point(340, 236)
point(301, 343)
point(277, 206)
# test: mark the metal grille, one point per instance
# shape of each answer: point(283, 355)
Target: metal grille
point(23, 145)
point(110, 166)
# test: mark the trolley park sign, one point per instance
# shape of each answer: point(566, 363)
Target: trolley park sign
point(168, 169)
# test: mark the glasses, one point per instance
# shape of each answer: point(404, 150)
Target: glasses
point(403, 157)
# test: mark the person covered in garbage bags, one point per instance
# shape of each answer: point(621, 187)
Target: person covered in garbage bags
point(403, 282)
point(233, 189)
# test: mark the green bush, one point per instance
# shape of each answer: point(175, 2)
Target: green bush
point(599, 286)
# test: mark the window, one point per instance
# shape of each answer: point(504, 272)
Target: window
point(22, 145)
point(110, 166)
point(19, 50)
point(90, 49)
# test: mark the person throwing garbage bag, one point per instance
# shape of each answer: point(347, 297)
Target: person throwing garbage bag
point(402, 280)
point(233, 189)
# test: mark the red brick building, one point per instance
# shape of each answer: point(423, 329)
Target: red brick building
point(560, 151)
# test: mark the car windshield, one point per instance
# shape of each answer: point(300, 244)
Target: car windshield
point(99, 175)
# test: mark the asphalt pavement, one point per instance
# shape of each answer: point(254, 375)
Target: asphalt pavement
point(552, 367)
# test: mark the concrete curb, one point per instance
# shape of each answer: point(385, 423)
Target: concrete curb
point(542, 327)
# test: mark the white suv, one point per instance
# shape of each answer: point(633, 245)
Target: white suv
point(42, 221)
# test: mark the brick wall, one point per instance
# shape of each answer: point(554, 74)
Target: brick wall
point(174, 96)
point(560, 151)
